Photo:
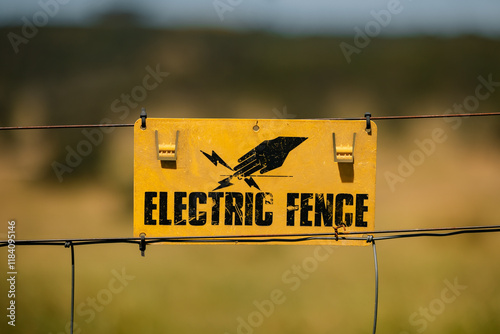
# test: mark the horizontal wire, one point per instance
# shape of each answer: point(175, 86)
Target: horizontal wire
point(285, 238)
point(447, 234)
point(383, 118)
point(49, 127)
point(373, 118)
point(431, 229)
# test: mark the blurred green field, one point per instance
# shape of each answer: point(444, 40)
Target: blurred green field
point(72, 76)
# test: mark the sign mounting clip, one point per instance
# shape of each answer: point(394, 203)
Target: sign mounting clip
point(166, 152)
point(344, 153)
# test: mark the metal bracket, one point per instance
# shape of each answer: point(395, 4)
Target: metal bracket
point(368, 128)
point(142, 244)
point(143, 118)
point(344, 153)
point(166, 152)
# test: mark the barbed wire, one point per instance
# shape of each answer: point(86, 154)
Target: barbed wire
point(373, 118)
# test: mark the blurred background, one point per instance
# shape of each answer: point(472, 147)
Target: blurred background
point(89, 62)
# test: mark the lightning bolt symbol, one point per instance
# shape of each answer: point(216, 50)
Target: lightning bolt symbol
point(215, 158)
point(251, 182)
point(224, 183)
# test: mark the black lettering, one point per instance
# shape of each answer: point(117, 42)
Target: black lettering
point(291, 208)
point(234, 205)
point(339, 209)
point(305, 208)
point(323, 210)
point(194, 198)
point(179, 207)
point(249, 208)
point(163, 209)
point(216, 206)
point(149, 207)
point(259, 209)
point(361, 209)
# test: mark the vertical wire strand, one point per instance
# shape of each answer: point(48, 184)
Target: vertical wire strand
point(70, 244)
point(376, 287)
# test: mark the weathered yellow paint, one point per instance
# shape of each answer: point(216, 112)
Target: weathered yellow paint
point(188, 178)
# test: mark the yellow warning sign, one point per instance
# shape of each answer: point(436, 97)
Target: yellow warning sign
point(242, 177)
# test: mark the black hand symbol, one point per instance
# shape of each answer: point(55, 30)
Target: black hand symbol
point(268, 155)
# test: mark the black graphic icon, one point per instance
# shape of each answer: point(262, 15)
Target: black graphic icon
point(265, 157)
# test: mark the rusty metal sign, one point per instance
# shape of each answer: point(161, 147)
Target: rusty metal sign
point(242, 177)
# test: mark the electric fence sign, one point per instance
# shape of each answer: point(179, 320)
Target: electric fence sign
point(241, 177)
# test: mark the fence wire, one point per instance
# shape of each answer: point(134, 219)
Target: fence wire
point(373, 118)
point(369, 236)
